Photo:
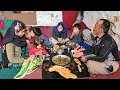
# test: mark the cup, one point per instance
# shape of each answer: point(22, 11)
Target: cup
point(51, 50)
point(72, 52)
point(68, 49)
point(72, 65)
point(60, 51)
point(46, 67)
point(43, 57)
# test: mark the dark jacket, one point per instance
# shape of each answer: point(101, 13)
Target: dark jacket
point(103, 49)
point(77, 38)
point(85, 44)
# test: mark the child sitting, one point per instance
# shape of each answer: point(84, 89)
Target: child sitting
point(60, 32)
point(36, 31)
point(38, 47)
point(76, 34)
point(87, 40)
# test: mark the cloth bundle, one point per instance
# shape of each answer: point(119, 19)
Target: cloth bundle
point(29, 67)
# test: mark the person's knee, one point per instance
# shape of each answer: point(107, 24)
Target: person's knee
point(89, 64)
point(116, 66)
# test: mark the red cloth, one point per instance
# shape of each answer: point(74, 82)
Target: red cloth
point(31, 40)
point(83, 26)
point(2, 25)
point(33, 50)
point(69, 17)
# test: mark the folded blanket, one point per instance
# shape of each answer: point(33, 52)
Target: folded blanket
point(29, 67)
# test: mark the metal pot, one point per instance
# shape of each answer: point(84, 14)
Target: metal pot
point(60, 57)
point(60, 51)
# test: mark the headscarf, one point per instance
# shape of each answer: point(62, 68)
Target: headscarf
point(11, 37)
point(88, 34)
point(64, 28)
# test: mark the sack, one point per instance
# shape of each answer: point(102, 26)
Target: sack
point(48, 43)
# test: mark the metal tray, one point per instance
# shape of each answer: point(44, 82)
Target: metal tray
point(64, 56)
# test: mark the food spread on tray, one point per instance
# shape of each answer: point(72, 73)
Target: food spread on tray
point(63, 71)
point(61, 60)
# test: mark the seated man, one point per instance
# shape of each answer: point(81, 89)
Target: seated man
point(105, 50)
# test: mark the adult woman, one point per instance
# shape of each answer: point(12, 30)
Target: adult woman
point(60, 32)
point(11, 50)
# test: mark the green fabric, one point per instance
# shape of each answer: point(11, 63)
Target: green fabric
point(29, 67)
point(8, 73)
point(23, 71)
point(35, 64)
point(8, 24)
point(25, 52)
point(17, 65)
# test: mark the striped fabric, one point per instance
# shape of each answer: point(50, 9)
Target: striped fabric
point(29, 67)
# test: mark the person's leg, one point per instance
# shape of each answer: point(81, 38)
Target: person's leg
point(101, 67)
point(114, 64)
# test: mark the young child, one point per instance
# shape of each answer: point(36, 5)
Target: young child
point(35, 31)
point(87, 39)
point(76, 34)
point(60, 32)
point(38, 46)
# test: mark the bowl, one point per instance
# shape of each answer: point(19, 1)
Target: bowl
point(61, 60)
point(60, 51)
point(63, 46)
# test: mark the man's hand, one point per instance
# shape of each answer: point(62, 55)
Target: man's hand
point(78, 46)
point(83, 59)
point(77, 54)
point(81, 49)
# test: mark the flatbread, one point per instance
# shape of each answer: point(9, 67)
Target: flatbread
point(63, 71)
